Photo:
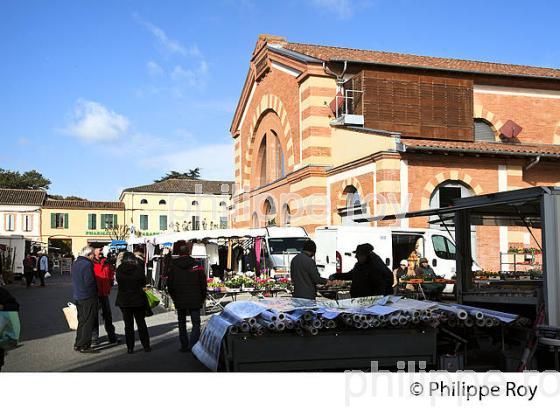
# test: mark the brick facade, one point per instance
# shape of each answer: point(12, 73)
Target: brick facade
point(292, 99)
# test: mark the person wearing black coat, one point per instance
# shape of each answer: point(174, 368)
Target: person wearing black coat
point(8, 304)
point(186, 283)
point(369, 276)
point(132, 301)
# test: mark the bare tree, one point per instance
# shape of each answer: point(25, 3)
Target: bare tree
point(119, 232)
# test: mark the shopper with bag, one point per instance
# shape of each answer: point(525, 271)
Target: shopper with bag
point(132, 301)
point(85, 296)
point(186, 282)
point(104, 275)
point(7, 304)
point(42, 268)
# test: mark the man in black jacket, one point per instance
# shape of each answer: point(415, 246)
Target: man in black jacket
point(186, 283)
point(7, 303)
point(370, 276)
point(84, 288)
point(304, 274)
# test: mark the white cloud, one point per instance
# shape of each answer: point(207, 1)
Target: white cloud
point(214, 160)
point(190, 77)
point(341, 8)
point(169, 45)
point(154, 68)
point(93, 121)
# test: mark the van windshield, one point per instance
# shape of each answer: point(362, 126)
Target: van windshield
point(443, 247)
point(286, 245)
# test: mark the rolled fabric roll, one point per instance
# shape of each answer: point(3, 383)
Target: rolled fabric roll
point(416, 320)
point(452, 322)
point(252, 321)
point(462, 314)
point(488, 322)
point(478, 315)
point(271, 317)
point(331, 324)
point(480, 322)
point(281, 316)
point(244, 327)
point(496, 321)
point(394, 320)
point(468, 322)
point(313, 331)
point(375, 323)
point(356, 317)
point(280, 326)
point(307, 316)
point(403, 320)
point(317, 324)
point(289, 324)
point(233, 330)
point(358, 325)
point(257, 329)
point(267, 324)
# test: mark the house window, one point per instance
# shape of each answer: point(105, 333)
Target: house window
point(27, 223)
point(354, 206)
point(162, 202)
point(92, 221)
point(10, 222)
point(108, 221)
point(194, 203)
point(143, 201)
point(483, 131)
point(59, 221)
point(163, 222)
point(223, 222)
point(144, 222)
point(223, 204)
point(196, 223)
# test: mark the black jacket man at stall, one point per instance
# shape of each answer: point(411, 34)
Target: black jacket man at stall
point(369, 276)
point(304, 274)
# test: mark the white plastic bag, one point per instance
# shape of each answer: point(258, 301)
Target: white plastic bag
point(47, 275)
point(71, 314)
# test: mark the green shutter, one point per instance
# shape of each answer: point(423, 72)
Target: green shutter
point(65, 221)
point(53, 220)
point(103, 223)
point(115, 220)
point(90, 221)
point(94, 220)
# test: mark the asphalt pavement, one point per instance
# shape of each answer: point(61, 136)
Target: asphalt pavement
point(47, 342)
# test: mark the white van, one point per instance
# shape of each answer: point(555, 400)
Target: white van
point(336, 246)
point(15, 245)
point(283, 244)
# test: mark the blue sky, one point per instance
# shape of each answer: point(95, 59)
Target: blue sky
point(103, 95)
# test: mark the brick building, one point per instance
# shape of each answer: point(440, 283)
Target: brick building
point(322, 134)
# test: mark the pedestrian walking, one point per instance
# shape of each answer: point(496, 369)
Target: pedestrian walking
point(84, 286)
point(132, 301)
point(42, 268)
point(7, 304)
point(186, 283)
point(104, 275)
point(304, 273)
point(28, 272)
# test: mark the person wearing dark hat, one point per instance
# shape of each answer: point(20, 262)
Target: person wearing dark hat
point(425, 271)
point(304, 274)
point(369, 275)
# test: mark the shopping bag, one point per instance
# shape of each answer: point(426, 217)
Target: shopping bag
point(47, 275)
point(9, 330)
point(153, 301)
point(71, 314)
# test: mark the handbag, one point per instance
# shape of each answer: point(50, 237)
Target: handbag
point(71, 315)
point(10, 328)
point(153, 301)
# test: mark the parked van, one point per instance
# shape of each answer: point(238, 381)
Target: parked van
point(336, 246)
point(282, 245)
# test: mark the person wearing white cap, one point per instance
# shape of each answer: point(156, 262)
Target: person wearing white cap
point(398, 273)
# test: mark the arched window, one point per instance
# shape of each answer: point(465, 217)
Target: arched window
point(278, 155)
point(270, 212)
point(483, 131)
point(223, 204)
point(162, 202)
point(354, 206)
point(286, 215)
point(143, 201)
point(262, 162)
point(194, 203)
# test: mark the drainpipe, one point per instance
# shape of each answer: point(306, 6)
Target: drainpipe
point(532, 163)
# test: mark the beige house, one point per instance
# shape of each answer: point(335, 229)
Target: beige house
point(71, 225)
point(177, 205)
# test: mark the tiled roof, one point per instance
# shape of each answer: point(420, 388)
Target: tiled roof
point(489, 148)
point(70, 204)
point(186, 186)
point(22, 196)
point(327, 53)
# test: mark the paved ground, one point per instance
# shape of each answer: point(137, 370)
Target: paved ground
point(47, 343)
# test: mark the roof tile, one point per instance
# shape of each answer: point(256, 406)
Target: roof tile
point(186, 186)
point(327, 53)
point(22, 196)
